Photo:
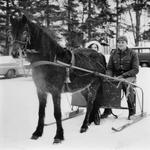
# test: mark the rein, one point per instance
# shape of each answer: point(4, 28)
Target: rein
point(62, 64)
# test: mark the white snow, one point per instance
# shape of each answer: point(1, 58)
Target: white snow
point(18, 120)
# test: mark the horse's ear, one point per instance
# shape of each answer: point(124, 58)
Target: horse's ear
point(24, 19)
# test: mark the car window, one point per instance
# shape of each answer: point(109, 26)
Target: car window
point(142, 50)
point(145, 51)
point(137, 50)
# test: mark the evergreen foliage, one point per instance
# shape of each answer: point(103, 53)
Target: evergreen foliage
point(76, 21)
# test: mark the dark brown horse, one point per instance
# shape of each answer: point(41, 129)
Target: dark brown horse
point(39, 46)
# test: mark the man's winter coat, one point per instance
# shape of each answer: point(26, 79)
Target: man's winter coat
point(125, 63)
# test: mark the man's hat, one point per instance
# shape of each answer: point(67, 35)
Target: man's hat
point(122, 38)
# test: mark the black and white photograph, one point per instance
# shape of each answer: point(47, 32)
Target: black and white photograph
point(74, 74)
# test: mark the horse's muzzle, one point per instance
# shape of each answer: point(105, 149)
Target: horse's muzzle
point(16, 49)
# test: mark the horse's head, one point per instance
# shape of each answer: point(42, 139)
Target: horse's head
point(20, 34)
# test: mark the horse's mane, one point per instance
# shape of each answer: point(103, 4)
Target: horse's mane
point(45, 40)
point(48, 31)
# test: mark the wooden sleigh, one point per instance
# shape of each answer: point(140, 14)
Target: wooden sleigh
point(112, 97)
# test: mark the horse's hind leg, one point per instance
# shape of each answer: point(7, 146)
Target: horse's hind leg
point(42, 103)
point(90, 97)
point(57, 114)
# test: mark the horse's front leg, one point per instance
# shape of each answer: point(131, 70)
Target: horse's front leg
point(42, 103)
point(85, 124)
point(57, 114)
point(90, 97)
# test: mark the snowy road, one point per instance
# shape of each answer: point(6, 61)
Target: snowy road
point(18, 119)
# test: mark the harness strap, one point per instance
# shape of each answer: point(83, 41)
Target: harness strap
point(72, 58)
point(40, 63)
point(72, 63)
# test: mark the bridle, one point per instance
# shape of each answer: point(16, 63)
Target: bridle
point(25, 40)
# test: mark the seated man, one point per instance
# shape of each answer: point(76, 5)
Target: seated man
point(123, 64)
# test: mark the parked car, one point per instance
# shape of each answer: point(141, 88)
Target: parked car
point(144, 55)
point(10, 67)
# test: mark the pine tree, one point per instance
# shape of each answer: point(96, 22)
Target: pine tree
point(136, 6)
point(71, 20)
point(4, 24)
point(45, 13)
point(96, 14)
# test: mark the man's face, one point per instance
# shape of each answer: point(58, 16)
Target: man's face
point(122, 45)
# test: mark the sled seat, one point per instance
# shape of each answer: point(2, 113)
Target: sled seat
point(78, 99)
point(112, 95)
point(110, 98)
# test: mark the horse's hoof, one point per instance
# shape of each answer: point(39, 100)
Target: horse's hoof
point(83, 130)
point(34, 137)
point(56, 141)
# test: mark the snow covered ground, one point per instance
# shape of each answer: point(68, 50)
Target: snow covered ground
point(18, 119)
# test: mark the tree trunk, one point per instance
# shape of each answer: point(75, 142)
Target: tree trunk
point(138, 16)
point(47, 14)
point(117, 22)
point(89, 19)
point(6, 52)
point(69, 24)
point(132, 24)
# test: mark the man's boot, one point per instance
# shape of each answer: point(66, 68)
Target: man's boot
point(132, 108)
point(106, 113)
point(131, 101)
